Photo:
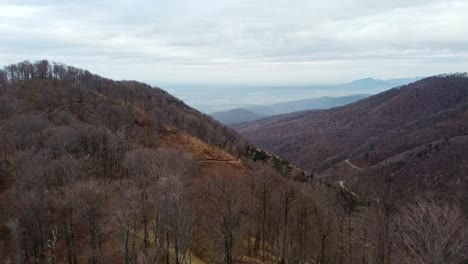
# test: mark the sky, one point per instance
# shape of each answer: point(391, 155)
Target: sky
point(240, 42)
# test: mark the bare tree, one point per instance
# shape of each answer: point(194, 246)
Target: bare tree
point(426, 232)
point(288, 196)
point(91, 199)
point(25, 70)
point(3, 80)
point(12, 73)
point(223, 206)
point(9, 107)
point(345, 204)
point(142, 163)
point(25, 130)
point(15, 229)
point(174, 174)
point(323, 223)
point(176, 208)
point(42, 69)
point(124, 217)
point(303, 218)
point(63, 201)
point(262, 184)
point(52, 245)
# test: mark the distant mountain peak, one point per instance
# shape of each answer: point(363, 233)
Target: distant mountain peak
point(366, 79)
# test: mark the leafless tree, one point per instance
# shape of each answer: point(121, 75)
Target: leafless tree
point(223, 206)
point(15, 229)
point(262, 185)
point(52, 245)
point(65, 203)
point(24, 130)
point(12, 73)
point(3, 80)
point(91, 199)
point(175, 206)
point(142, 163)
point(26, 70)
point(323, 223)
point(42, 69)
point(288, 195)
point(426, 232)
point(174, 175)
point(124, 218)
point(303, 216)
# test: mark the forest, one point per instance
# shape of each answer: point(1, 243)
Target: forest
point(87, 175)
point(313, 139)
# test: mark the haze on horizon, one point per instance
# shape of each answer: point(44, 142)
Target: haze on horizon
point(240, 42)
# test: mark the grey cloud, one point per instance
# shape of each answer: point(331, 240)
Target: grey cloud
point(236, 41)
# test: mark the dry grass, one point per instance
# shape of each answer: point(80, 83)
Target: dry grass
point(200, 150)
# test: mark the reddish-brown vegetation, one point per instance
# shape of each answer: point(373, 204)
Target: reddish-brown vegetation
point(413, 134)
point(99, 171)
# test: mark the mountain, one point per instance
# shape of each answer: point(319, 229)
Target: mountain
point(82, 156)
point(413, 133)
point(102, 171)
point(371, 83)
point(324, 102)
point(357, 90)
point(236, 116)
point(255, 112)
point(210, 99)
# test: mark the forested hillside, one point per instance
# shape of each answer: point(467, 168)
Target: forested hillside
point(316, 139)
point(94, 170)
point(255, 112)
point(411, 138)
point(236, 116)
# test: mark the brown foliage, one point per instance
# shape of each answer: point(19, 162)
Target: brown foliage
point(84, 179)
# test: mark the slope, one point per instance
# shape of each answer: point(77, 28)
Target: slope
point(317, 139)
point(324, 102)
point(102, 171)
point(255, 112)
point(236, 116)
point(81, 154)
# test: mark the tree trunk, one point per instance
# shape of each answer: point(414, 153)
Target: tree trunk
point(168, 257)
point(322, 249)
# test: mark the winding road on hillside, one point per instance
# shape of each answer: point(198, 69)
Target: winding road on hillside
point(219, 161)
point(352, 165)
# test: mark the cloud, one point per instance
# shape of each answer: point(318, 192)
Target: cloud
point(240, 41)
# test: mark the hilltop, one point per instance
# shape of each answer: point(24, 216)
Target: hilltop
point(256, 112)
point(105, 171)
point(236, 115)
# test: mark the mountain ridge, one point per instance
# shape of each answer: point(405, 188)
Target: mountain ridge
point(107, 171)
point(256, 112)
point(369, 131)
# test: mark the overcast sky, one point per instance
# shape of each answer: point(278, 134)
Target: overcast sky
point(251, 42)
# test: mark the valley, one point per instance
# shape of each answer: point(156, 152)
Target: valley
point(391, 134)
point(102, 171)
point(234, 132)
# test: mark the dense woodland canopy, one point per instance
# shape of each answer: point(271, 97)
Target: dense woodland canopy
point(415, 137)
point(87, 175)
point(315, 139)
point(80, 88)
